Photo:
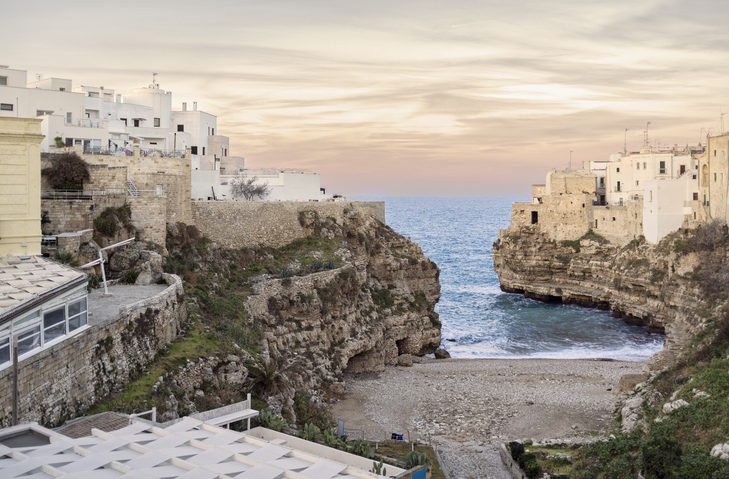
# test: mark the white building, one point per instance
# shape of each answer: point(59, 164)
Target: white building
point(102, 121)
point(665, 181)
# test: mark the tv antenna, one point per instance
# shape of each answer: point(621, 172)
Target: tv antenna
point(645, 135)
point(154, 79)
point(625, 142)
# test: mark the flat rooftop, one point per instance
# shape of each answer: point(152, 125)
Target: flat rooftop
point(188, 449)
point(103, 309)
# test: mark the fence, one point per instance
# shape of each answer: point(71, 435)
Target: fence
point(80, 194)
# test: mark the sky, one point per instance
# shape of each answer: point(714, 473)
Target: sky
point(403, 97)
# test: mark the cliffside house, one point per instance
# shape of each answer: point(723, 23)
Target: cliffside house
point(650, 192)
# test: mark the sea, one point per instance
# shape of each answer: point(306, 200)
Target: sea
point(481, 321)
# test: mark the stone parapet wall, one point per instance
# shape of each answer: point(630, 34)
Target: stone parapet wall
point(237, 224)
point(149, 215)
point(61, 382)
point(74, 215)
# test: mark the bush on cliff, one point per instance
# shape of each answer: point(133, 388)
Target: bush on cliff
point(68, 172)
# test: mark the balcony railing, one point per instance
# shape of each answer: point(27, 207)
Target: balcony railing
point(85, 123)
point(145, 152)
point(80, 194)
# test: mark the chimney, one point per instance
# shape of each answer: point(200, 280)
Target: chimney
point(194, 106)
point(184, 106)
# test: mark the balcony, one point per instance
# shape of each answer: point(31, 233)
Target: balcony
point(85, 123)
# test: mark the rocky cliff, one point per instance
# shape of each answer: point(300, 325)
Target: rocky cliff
point(667, 287)
point(351, 296)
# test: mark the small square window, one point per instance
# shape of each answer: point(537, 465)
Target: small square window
point(156, 122)
point(193, 150)
point(617, 170)
point(136, 123)
point(3, 81)
point(6, 106)
point(180, 127)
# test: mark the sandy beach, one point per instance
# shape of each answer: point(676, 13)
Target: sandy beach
point(468, 406)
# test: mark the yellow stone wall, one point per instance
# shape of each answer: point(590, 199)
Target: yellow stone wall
point(20, 211)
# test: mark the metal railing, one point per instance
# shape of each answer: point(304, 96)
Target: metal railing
point(119, 151)
point(85, 123)
point(80, 194)
point(155, 153)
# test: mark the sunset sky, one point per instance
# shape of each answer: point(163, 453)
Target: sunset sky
point(403, 97)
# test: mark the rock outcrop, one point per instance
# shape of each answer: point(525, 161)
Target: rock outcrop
point(376, 310)
point(651, 285)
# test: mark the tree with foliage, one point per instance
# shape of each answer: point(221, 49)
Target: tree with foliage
point(68, 172)
point(247, 187)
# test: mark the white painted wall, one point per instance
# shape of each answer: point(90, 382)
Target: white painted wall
point(666, 202)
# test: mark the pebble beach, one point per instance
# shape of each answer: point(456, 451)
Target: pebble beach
point(467, 407)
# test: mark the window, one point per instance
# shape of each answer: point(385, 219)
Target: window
point(3, 81)
point(617, 170)
point(595, 224)
point(6, 106)
point(193, 150)
point(124, 120)
point(152, 142)
point(77, 314)
point(637, 165)
point(156, 122)
point(5, 349)
point(535, 217)
point(644, 163)
point(61, 89)
point(714, 177)
point(203, 150)
point(54, 324)
point(69, 117)
point(636, 183)
point(682, 169)
point(29, 339)
point(696, 197)
point(180, 127)
point(213, 131)
point(618, 187)
point(662, 168)
point(43, 112)
point(136, 123)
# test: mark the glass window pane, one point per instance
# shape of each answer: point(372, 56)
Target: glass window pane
point(4, 350)
point(24, 320)
point(54, 331)
point(54, 317)
point(76, 307)
point(28, 340)
point(77, 321)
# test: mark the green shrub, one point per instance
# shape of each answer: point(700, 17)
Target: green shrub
point(660, 457)
point(517, 450)
point(130, 276)
point(68, 172)
point(575, 245)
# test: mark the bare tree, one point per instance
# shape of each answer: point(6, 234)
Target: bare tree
point(246, 187)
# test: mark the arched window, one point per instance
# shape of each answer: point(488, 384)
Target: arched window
point(704, 175)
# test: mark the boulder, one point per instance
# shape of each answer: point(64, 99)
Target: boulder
point(441, 353)
point(405, 360)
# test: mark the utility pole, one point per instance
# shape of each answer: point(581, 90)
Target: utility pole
point(625, 142)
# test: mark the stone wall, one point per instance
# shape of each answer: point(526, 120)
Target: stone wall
point(75, 215)
point(149, 215)
point(564, 217)
point(237, 224)
point(62, 381)
point(105, 177)
point(174, 174)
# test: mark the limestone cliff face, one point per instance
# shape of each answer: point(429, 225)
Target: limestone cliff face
point(377, 309)
point(650, 285)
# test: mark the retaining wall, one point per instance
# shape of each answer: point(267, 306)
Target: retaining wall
point(61, 382)
point(237, 224)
